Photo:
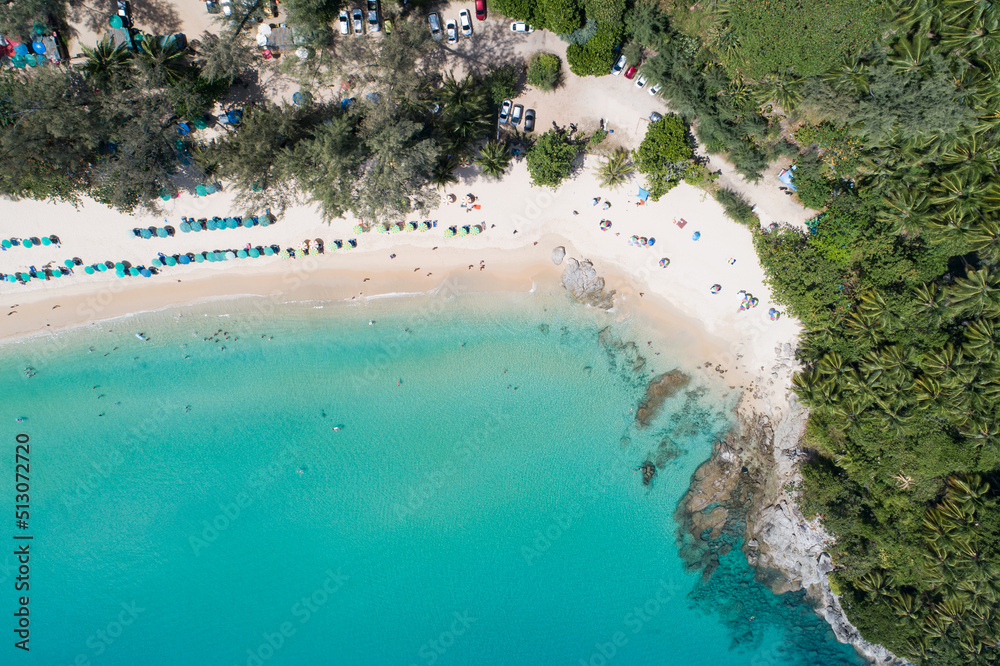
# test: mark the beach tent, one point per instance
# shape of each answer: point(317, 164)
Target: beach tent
point(785, 176)
point(642, 194)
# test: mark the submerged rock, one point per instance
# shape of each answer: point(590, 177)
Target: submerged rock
point(659, 390)
point(648, 472)
point(558, 254)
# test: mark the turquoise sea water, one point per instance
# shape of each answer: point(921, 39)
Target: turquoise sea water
point(478, 503)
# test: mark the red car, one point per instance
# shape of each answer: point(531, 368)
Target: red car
point(630, 72)
point(481, 10)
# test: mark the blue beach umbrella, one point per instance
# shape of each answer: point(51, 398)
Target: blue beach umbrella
point(184, 259)
point(171, 261)
point(265, 221)
point(210, 224)
point(145, 233)
point(145, 272)
point(161, 232)
point(185, 227)
point(232, 223)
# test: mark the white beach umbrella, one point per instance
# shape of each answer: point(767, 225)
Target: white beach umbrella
point(264, 29)
point(261, 39)
point(302, 52)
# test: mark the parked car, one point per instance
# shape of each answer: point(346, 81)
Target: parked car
point(655, 89)
point(519, 26)
point(619, 66)
point(654, 116)
point(435, 22)
point(388, 26)
point(505, 111)
point(451, 29)
point(529, 120)
point(357, 17)
point(345, 23)
point(125, 12)
point(515, 117)
point(373, 24)
point(465, 21)
point(631, 71)
point(481, 10)
point(641, 81)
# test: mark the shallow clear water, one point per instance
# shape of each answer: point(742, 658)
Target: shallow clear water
point(479, 503)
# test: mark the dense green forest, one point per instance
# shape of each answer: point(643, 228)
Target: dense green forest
point(890, 111)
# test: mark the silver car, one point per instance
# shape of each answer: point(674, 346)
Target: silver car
point(465, 21)
point(451, 29)
point(358, 18)
point(505, 111)
point(345, 23)
point(515, 117)
point(373, 24)
point(435, 22)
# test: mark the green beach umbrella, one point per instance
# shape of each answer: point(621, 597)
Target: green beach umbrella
point(120, 273)
point(200, 123)
point(199, 258)
point(200, 190)
point(134, 272)
point(383, 227)
point(170, 261)
point(211, 189)
point(11, 278)
point(27, 278)
point(156, 262)
point(314, 251)
point(115, 21)
point(27, 242)
point(46, 241)
point(89, 270)
point(57, 273)
point(242, 254)
point(145, 234)
point(6, 243)
point(254, 253)
point(210, 257)
point(232, 223)
point(425, 226)
point(101, 268)
point(161, 232)
point(268, 251)
point(411, 226)
point(69, 263)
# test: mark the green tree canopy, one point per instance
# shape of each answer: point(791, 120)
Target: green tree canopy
point(664, 154)
point(551, 159)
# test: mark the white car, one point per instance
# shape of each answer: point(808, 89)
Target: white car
point(451, 30)
point(505, 111)
point(641, 82)
point(345, 23)
point(359, 26)
point(655, 89)
point(515, 117)
point(521, 27)
point(619, 66)
point(465, 20)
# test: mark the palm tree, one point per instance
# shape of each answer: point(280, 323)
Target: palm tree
point(443, 173)
point(162, 60)
point(494, 158)
point(977, 294)
point(106, 65)
point(615, 169)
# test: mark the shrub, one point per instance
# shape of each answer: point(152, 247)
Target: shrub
point(737, 207)
point(503, 82)
point(559, 16)
point(544, 71)
point(664, 155)
point(551, 159)
point(522, 10)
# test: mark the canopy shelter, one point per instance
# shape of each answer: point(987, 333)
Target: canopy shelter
point(785, 176)
point(642, 194)
point(280, 38)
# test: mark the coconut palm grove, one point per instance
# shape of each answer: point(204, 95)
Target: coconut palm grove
point(890, 111)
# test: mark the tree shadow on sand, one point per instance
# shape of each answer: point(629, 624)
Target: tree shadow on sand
point(156, 16)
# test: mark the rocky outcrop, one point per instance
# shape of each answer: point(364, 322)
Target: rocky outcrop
point(746, 488)
point(558, 254)
point(581, 280)
point(659, 390)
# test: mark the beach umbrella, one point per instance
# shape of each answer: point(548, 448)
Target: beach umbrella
point(145, 272)
point(27, 278)
point(268, 251)
point(101, 268)
point(210, 257)
point(254, 253)
point(475, 231)
point(21, 50)
point(195, 225)
point(314, 251)
point(200, 191)
point(156, 263)
point(184, 259)
point(242, 254)
point(664, 262)
point(199, 258)
point(170, 261)
point(6, 243)
point(38, 47)
point(283, 254)
point(134, 272)
point(27, 242)
point(120, 274)
point(247, 222)
point(185, 227)
point(219, 256)
point(199, 123)
point(696, 235)
point(210, 224)
point(115, 21)
point(56, 273)
point(425, 226)
point(232, 223)
point(89, 270)
point(211, 189)
point(46, 241)
point(145, 233)
point(69, 263)
point(652, 242)
point(161, 232)
point(716, 288)
point(119, 266)
point(449, 232)
point(357, 229)
point(411, 226)
point(230, 255)
point(463, 231)
point(11, 278)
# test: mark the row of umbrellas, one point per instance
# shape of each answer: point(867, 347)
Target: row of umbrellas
point(642, 241)
point(467, 230)
point(395, 227)
point(217, 255)
point(204, 224)
point(26, 276)
point(8, 243)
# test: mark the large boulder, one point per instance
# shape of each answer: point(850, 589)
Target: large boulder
point(558, 254)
